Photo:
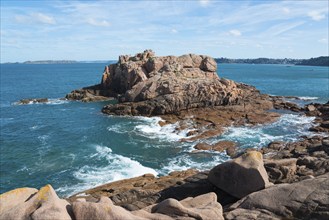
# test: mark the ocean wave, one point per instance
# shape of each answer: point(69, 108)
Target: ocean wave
point(152, 129)
point(116, 167)
point(149, 127)
point(289, 127)
point(307, 98)
point(57, 101)
point(200, 160)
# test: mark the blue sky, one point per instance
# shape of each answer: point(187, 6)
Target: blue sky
point(103, 30)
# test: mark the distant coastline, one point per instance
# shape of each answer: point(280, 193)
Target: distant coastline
point(317, 61)
point(58, 62)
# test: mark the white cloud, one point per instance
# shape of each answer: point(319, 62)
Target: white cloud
point(316, 15)
point(100, 23)
point(235, 33)
point(42, 18)
point(286, 10)
point(323, 40)
point(35, 18)
point(282, 28)
point(204, 3)
point(174, 31)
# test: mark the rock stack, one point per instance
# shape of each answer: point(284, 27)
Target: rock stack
point(151, 85)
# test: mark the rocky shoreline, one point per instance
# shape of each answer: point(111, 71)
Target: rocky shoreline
point(284, 180)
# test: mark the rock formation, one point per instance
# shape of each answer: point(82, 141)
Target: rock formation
point(151, 85)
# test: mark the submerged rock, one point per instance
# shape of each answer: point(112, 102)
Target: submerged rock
point(32, 101)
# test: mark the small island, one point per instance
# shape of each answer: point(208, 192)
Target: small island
point(50, 62)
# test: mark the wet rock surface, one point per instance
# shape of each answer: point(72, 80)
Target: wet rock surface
point(32, 101)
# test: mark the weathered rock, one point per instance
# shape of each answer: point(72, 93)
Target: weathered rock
point(91, 94)
point(307, 199)
point(220, 146)
point(44, 204)
point(166, 85)
point(244, 214)
point(281, 171)
point(104, 209)
point(201, 207)
point(241, 176)
point(203, 146)
point(15, 197)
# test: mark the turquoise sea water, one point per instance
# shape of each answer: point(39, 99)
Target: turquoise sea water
point(73, 146)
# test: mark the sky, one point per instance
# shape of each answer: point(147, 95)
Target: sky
point(103, 30)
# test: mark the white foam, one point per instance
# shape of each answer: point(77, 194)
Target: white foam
point(57, 101)
point(117, 128)
point(289, 127)
point(200, 161)
point(150, 128)
point(116, 167)
point(306, 98)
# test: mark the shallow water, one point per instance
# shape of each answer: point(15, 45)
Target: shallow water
point(73, 146)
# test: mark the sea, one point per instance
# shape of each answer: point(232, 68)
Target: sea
point(73, 146)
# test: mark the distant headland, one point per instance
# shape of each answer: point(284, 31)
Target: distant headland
point(317, 61)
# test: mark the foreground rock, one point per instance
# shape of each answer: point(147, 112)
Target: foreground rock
point(201, 207)
point(241, 176)
point(307, 199)
point(140, 192)
point(27, 203)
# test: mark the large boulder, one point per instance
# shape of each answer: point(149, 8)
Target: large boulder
point(307, 199)
point(241, 176)
point(27, 203)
